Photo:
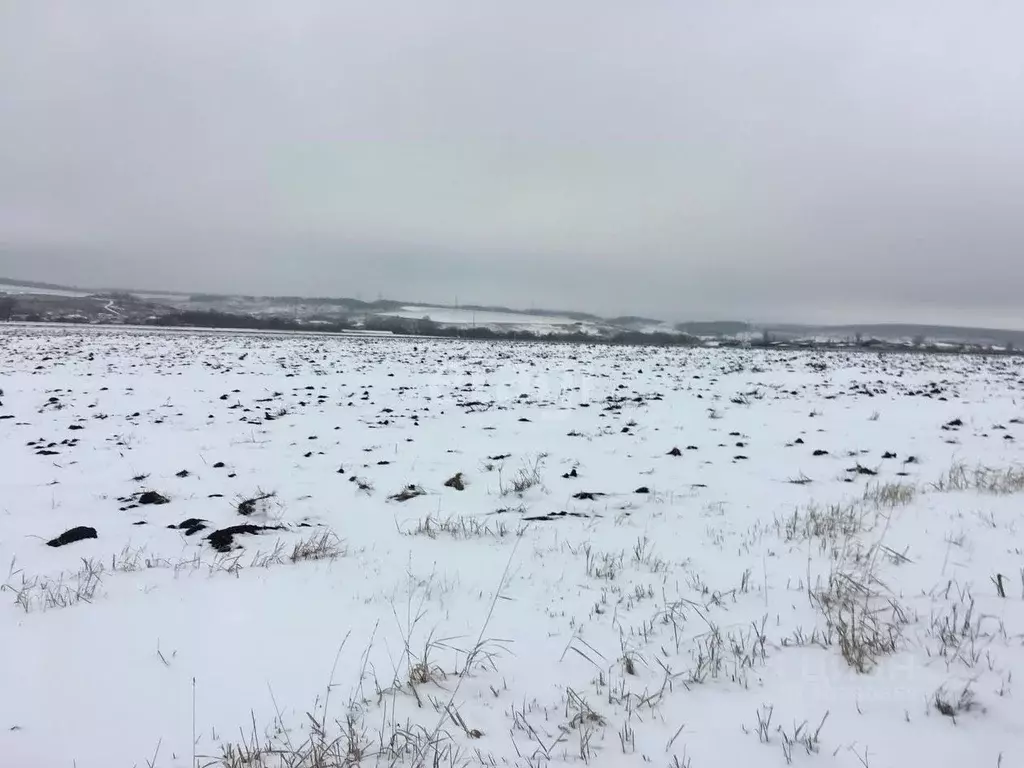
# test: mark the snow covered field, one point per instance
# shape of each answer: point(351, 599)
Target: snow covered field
point(498, 321)
point(465, 553)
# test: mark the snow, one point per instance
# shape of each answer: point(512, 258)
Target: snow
point(498, 320)
point(655, 628)
point(27, 289)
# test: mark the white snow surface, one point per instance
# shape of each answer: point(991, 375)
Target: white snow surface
point(27, 289)
point(651, 628)
point(498, 321)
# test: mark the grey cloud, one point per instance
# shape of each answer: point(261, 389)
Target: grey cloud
point(801, 160)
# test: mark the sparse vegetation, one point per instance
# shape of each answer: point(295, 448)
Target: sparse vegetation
point(319, 546)
point(463, 528)
point(954, 705)
point(581, 594)
point(865, 624)
point(407, 493)
point(523, 479)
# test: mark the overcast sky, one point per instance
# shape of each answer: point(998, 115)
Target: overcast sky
point(806, 161)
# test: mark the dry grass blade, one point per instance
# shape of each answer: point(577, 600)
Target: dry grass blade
point(325, 545)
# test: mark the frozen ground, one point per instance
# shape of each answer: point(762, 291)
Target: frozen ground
point(452, 316)
point(497, 321)
point(782, 593)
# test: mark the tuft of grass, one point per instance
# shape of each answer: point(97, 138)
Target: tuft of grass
point(526, 477)
point(422, 670)
point(63, 591)
point(462, 528)
point(953, 706)
point(834, 526)
point(643, 554)
point(801, 736)
point(70, 588)
point(407, 493)
point(325, 545)
point(891, 494)
point(998, 481)
point(392, 742)
point(603, 565)
point(956, 478)
point(865, 623)
point(958, 631)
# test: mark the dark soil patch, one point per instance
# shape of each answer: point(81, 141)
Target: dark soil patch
point(588, 495)
point(247, 507)
point(456, 481)
point(152, 497)
point(223, 539)
point(191, 526)
point(409, 492)
point(554, 516)
point(72, 535)
point(860, 469)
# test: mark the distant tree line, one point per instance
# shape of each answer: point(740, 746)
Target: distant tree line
point(215, 319)
point(406, 326)
point(424, 326)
